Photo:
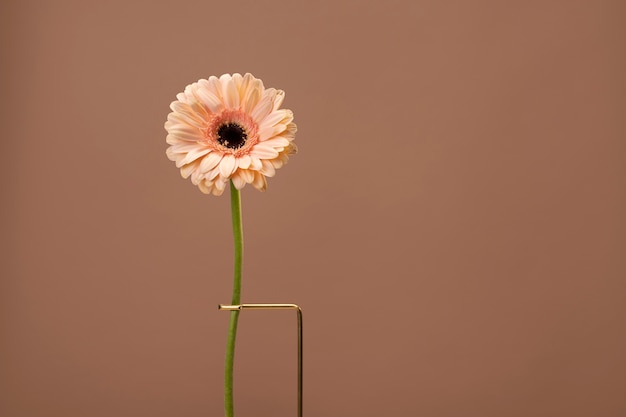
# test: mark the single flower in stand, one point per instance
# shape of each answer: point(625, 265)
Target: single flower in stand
point(224, 130)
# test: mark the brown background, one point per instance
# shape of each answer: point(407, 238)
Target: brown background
point(453, 225)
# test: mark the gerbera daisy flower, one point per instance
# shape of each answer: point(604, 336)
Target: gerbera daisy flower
point(229, 128)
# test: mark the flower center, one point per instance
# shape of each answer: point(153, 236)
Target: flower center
point(231, 135)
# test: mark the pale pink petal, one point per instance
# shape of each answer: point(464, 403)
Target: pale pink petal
point(263, 152)
point(205, 186)
point(255, 163)
point(185, 147)
point(278, 100)
point(238, 80)
point(288, 138)
point(214, 86)
point(269, 132)
point(174, 122)
point(212, 174)
point(210, 161)
point(230, 94)
point(181, 97)
point(251, 99)
point(199, 109)
point(219, 186)
point(292, 149)
point(270, 92)
point(197, 177)
point(276, 142)
point(193, 155)
point(183, 129)
point(247, 175)
point(184, 135)
point(171, 155)
point(282, 116)
point(187, 116)
point(243, 85)
point(188, 109)
point(223, 81)
point(179, 118)
point(267, 169)
point(278, 163)
point(292, 128)
point(275, 123)
point(259, 181)
point(238, 180)
point(227, 166)
point(244, 161)
point(262, 109)
point(210, 100)
point(186, 170)
point(266, 133)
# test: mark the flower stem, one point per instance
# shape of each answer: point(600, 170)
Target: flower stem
point(235, 204)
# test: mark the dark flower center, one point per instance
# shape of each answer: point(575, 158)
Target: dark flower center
point(231, 135)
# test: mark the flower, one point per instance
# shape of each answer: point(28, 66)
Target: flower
point(229, 128)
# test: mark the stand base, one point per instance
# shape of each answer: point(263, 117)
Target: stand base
point(235, 307)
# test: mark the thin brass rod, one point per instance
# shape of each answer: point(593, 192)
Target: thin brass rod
point(234, 307)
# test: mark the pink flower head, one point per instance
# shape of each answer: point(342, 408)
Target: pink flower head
point(229, 128)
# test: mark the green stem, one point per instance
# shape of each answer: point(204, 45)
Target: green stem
point(235, 204)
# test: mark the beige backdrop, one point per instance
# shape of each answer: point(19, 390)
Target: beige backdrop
point(453, 225)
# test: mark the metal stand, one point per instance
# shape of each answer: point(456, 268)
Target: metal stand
point(227, 307)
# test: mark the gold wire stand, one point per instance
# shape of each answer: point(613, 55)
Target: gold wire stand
point(227, 307)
